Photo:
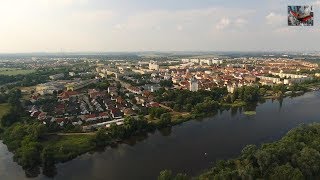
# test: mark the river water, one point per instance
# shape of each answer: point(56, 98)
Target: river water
point(189, 148)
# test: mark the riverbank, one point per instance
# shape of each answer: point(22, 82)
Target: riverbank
point(65, 148)
point(199, 141)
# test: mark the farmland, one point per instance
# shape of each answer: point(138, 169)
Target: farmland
point(15, 71)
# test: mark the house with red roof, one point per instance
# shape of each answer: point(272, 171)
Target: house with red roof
point(116, 113)
point(153, 104)
point(65, 96)
point(90, 117)
point(103, 115)
point(42, 116)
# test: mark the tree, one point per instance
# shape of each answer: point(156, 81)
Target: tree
point(29, 153)
point(308, 162)
point(156, 112)
point(101, 138)
point(166, 83)
point(165, 120)
point(229, 99)
point(47, 157)
point(177, 107)
point(286, 172)
point(10, 118)
point(165, 175)
point(180, 176)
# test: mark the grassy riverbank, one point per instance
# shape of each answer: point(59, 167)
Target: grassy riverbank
point(33, 145)
point(4, 109)
point(67, 147)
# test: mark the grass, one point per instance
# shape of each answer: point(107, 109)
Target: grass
point(235, 104)
point(4, 109)
point(250, 113)
point(15, 71)
point(67, 147)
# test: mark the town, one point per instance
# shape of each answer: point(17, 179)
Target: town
point(106, 91)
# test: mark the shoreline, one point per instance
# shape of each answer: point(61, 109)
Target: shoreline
point(174, 122)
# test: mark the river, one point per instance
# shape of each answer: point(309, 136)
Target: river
point(191, 147)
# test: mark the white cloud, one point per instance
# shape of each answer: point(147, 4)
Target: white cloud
point(276, 19)
point(241, 22)
point(179, 28)
point(92, 16)
point(316, 4)
point(72, 25)
point(223, 23)
point(231, 24)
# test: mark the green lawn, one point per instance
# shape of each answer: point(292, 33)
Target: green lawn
point(67, 147)
point(15, 71)
point(250, 113)
point(235, 104)
point(4, 108)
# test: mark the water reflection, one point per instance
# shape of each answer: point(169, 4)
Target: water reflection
point(166, 131)
point(33, 172)
point(251, 106)
point(135, 139)
point(50, 171)
point(234, 111)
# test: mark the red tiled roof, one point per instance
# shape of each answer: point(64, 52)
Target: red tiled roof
point(59, 120)
point(103, 114)
point(90, 116)
point(67, 94)
point(154, 104)
point(36, 114)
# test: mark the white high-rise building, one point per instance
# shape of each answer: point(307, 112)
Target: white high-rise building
point(185, 60)
point(215, 61)
point(154, 66)
point(194, 85)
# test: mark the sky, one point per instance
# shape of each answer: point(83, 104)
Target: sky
point(153, 25)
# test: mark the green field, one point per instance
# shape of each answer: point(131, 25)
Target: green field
point(67, 147)
point(15, 71)
point(4, 108)
point(250, 113)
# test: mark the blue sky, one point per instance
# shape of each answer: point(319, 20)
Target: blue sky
point(157, 25)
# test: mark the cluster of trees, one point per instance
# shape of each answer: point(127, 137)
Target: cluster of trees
point(247, 94)
point(23, 140)
point(139, 79)
point(166, 83)
point(162, 114)
point(13, 98)
point(38, 77)
point(297, 87)
point(156, 112)
point(131, 126)
point(3, 96)
point(165, 120)
point(103, 85)
point(168, 175)
point(208, 106)
point(295, 156)
point(184, 100)
point(280, 89)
